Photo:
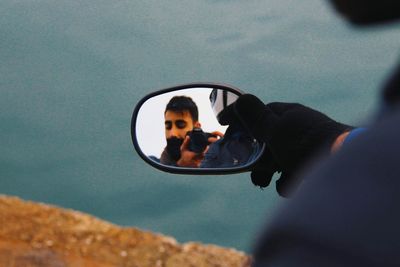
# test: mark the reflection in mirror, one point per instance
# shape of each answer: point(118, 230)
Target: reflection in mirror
point(194, 128)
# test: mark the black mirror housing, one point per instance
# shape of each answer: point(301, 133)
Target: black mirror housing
point(178, 130)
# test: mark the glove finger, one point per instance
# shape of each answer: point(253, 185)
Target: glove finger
point(287, 184)
point(263, 171)
point(261, 178)
point(254, 115)
point(227, 116)
point(266, 163)
point(279, 108)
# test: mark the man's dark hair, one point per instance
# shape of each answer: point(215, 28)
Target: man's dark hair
point(182, 103)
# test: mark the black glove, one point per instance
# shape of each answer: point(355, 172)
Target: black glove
point(293, 134)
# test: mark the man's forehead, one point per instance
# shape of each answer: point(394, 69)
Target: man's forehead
point(175, 115)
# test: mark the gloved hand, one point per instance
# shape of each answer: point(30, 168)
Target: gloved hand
point(293, 134)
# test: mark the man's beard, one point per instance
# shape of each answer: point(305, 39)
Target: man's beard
point(174, 148)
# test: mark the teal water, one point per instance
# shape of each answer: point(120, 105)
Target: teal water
point(72, 71)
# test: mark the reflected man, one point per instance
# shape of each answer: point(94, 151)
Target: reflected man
point(180, 117)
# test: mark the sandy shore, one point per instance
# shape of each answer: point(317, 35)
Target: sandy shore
point(35, 234)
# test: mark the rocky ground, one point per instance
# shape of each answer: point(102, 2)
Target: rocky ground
point(34, 234)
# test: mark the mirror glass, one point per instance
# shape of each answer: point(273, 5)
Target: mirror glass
point(190, 128)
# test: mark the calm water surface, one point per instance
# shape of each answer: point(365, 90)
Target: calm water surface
point(72, 71)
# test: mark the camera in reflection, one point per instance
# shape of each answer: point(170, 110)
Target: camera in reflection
point(198, 140)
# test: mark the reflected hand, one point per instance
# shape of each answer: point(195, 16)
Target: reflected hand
point(216, 136)
point(189, 158)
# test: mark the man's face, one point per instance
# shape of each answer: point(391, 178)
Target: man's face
point(177, 124)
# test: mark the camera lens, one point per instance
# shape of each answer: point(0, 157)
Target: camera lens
point(198, 140)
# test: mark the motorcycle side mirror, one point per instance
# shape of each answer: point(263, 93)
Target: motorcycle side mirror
point(193, 129)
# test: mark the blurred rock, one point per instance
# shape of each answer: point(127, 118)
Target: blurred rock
point(35, 234)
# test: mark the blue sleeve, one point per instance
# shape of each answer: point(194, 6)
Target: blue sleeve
point(353, 134)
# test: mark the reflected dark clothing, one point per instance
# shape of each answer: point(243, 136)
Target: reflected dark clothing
point(347, 211)
point(154, 158)
point(166, 159)
point(236, 148)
